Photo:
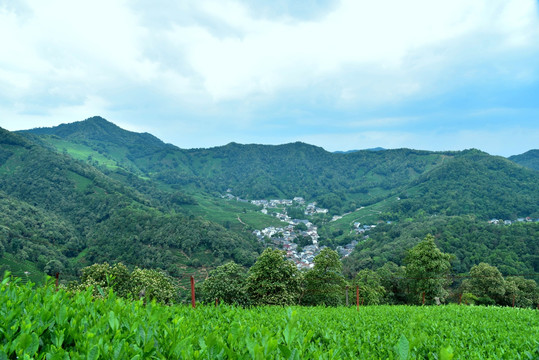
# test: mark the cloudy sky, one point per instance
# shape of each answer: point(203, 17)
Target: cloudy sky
point(350, 74)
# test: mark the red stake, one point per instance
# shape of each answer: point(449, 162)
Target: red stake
point(423, 298)
point(193, 292)
point(357, 297)
point(460, 298)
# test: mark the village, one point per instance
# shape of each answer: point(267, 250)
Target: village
point(510, 222)
point(300, 237)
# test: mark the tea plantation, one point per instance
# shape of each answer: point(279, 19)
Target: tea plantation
point(42, 323)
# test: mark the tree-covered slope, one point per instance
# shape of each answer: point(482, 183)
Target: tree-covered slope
point(452, 183)
point(473, 183)
point(91, 212)
point(433, 188)
point(529, 159)
point(340, 182)
point(514, 249)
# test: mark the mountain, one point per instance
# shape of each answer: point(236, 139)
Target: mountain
point(473, 183)
point(81, 216)
point(130, 197)
point(529, 159)
point(100, 131)
point(340, 182)
point(451, 183)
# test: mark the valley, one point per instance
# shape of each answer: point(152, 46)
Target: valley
point(114, 195)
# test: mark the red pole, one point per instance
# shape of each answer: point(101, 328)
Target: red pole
point(460, 298)
point(193, 292)
point(357, 297)
point(57, 277)
point(216, 302)
point(423, 298)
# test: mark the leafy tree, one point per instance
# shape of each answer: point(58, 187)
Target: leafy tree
point(141, 283)
point(486, 282)
point(523, 291)
point(324, 283)
point(273, 280)
point(426, 269)
point(153, 284)
point(226, 283)
point(303, 240)
point(371, 290)
point(392, 279)
point(53, 267)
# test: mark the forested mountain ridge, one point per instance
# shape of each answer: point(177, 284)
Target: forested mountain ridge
point(82, 216)
point(340, 182)
point(157, 182)
point(529, 159)
point(451, 182)
point(474, 183)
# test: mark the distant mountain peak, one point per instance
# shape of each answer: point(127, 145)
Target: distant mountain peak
point(529, 159)
point(97, 128)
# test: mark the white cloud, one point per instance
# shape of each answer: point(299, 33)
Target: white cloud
point(384, 37)
point(218, 64)
point(20, 116)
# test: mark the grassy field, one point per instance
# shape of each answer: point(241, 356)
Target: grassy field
point(41, 323)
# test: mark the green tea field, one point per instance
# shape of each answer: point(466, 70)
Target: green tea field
point(40, 323)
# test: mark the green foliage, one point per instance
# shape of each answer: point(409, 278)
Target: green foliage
point(301, 227)
point(473, 183)
point(371, 291)
point(273, 280)
point(45, 324)
point(512, 249)
point(127, 206)
point(140, 283)
point(426, 269)
point(392, 280)
point(524, 292)
point(324, 283)
point(61, 211)
point(227, 284)
point(529, 159)
point(252, 171)
point(485, 281)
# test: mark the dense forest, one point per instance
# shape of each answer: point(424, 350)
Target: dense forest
point(512, 249)
point(63, 214)
point(529, 159)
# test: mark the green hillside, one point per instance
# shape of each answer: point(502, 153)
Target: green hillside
point(66, 214)
point(339, 182)
point(473, 183)
point(529, 159)
point(131, 197)
point(514, 249)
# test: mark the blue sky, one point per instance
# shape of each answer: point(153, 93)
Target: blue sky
point(350, 74)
